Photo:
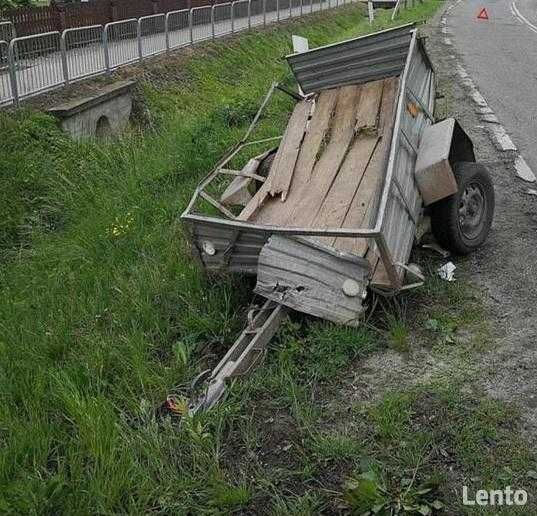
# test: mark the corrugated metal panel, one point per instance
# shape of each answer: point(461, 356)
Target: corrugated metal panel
point(308, 277)
point(398, 226)
point(234, 250)
point(354, 61)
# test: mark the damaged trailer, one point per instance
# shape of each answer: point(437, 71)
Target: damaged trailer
point(330, 211)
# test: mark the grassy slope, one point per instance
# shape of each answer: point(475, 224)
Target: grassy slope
point(102, 313)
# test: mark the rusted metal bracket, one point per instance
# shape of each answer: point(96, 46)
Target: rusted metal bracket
point(293, 94)
point(247, 352)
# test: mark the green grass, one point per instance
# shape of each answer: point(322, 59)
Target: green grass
point(103, 313)
point(432, 430)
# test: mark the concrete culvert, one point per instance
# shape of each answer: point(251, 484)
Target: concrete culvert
point(103, 127)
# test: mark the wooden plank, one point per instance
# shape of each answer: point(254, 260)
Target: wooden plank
point(336, 204)
point(263, 193)
point(343, 189)
point(283, 166)
point(318, 128)
point(238, 191)
point(367, 117)
point(274, 212)
point(380, 276)
point(364, 204)
point(327, 167)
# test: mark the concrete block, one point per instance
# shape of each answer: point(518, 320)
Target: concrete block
point(105, 113)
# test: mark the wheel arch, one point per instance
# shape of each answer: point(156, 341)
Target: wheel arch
point(462, 147)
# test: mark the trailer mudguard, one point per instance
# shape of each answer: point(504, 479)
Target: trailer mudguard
point(441, 146)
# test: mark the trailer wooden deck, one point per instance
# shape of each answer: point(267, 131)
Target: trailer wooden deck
point(330, 165)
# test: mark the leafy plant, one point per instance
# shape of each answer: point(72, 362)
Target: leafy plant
point(368, 495)
point(445, 332)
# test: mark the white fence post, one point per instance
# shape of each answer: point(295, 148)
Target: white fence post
point(191, 28)
point(370, 11)
point(13, 71)
point(139, 37)
point(106, 49)
point(166, 31)
point(212, 21)
point(63, 50)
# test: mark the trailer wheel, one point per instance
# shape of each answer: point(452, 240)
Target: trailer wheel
point(461, 222)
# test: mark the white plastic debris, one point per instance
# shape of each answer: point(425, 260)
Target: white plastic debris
point(447, 271)
point(435, 247)
point(300, 44)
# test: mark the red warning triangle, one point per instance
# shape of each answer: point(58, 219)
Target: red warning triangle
point(483, 15)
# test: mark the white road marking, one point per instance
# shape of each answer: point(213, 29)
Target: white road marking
point(502, 138)
point(517, 14)
point(478, 98)
point(523, 170)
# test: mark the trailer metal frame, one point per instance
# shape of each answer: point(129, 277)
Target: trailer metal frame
point(395, 267)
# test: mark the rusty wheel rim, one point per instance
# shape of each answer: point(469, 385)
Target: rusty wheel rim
point(472, 210)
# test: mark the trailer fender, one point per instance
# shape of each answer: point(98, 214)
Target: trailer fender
point(441, 146)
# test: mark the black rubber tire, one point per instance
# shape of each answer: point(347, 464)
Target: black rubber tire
point(446, 224)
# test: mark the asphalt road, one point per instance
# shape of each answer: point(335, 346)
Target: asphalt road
point(500, 54)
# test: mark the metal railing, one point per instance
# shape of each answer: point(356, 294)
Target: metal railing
point(83, 52)
point(201, 23)
point(178, 32)
point(122, 43)
point(6, 95)
point(222, 19)
point(153, 35)
point(33, 64)
point(7, 31)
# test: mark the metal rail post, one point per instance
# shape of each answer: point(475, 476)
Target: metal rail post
point(13, 72)
point(106, 49)
point(63, 52)
point(278, 10)
point(167, 31)
point(191, 29)
point(249, 14)
point(264, 13)
point(232, 17)
point(290, 8)
point(212, 20)
point(139, 37)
